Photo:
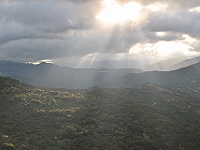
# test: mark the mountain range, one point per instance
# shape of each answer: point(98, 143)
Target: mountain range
point(49, 75)
point(164, 65)
point(185, 63)
point(186, 79)
point(173, 64)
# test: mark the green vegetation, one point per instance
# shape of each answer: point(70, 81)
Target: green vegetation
point(147, 117)
point(7, 146)
point(185, 79)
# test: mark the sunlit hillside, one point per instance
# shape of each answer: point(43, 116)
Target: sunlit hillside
point(148, 116)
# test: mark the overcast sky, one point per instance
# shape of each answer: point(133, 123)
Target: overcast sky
point(73, 31)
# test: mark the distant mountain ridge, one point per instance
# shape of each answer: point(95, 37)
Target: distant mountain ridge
point(164, 65)
point(185, 63)
point(186, 79)
point(50, 75)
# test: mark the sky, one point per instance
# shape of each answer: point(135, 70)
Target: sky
point(71, 32)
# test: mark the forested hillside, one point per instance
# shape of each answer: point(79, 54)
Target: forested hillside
point(186, 79)
point(146, 117)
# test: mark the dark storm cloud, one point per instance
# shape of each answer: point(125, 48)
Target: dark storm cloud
point(47, 29)
point(33, 19)
point(181, 22)
point(38, 49)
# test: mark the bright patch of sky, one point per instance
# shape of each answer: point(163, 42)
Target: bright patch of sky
point(157, 7)
point(195, 9)
point(166, 49)
point(113, 13)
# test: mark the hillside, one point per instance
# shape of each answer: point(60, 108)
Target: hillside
point(165, 65)
point(186, 79)
point(147, 117)
point(185, 63)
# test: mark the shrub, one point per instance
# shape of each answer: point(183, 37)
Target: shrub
point(7, 146)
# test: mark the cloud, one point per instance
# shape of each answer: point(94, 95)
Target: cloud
point(44, 19)
point(182, 22)
point(174, 3)
point(47, 29)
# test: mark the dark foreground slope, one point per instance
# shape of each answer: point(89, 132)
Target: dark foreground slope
point(148, 117)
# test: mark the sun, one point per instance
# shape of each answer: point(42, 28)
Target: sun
point(114, 13)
